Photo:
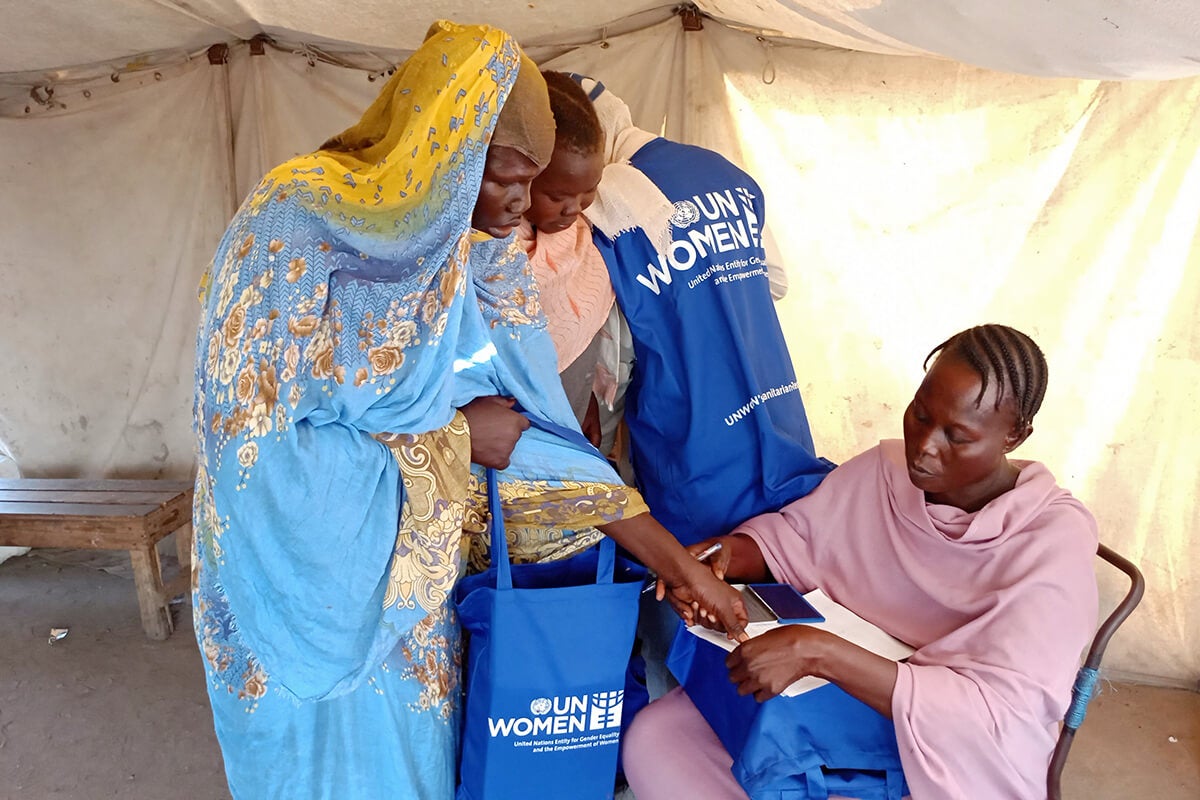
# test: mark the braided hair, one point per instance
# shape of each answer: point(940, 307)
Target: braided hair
point(1011, 357)
point(576, 125)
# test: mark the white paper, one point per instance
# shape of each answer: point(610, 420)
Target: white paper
point(838, 620)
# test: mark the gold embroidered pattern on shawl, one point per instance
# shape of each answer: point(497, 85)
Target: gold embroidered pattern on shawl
point(546, 521)
point(427, 558)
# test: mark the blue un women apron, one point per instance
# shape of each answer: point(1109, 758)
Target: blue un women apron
point(714, 411)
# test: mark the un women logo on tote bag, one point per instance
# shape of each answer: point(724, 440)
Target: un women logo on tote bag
point(574, 717)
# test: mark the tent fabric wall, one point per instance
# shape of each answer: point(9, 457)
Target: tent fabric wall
point(910, 197)
point(283, 107)
point(1153, 39)
point(108, 212)
point(1064, 38)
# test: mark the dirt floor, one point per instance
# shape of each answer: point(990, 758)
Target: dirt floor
point(107, 713)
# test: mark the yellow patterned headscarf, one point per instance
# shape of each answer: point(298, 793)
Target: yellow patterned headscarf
point(338, 278)
point(400, 168)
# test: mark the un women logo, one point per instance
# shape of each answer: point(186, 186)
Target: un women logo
point(540, 706)
point(606, 709)
point(686, 213)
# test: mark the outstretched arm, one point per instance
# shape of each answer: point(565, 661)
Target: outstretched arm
point(738, 559)
point(691, 584)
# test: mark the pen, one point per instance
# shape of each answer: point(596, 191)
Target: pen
point(703, 555)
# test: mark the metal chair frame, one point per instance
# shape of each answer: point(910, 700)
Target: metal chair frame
point(1081, 694)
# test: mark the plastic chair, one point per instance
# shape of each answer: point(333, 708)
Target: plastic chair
point(1085, 681)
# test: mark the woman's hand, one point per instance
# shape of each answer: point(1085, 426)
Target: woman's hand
point(739, 554)
point(700, 595)
point(767, 664)
point(718, 562)
point(495, 429)
point(691, 585)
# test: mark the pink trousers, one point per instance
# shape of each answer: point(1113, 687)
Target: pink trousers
point(671, 752)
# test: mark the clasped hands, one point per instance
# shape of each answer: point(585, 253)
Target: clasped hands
point(768, 663)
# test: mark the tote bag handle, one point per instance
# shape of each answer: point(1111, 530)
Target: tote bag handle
point(574, 437)
point(817, 789)
point(605, 564)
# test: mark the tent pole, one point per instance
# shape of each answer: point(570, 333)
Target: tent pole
point(218, 55)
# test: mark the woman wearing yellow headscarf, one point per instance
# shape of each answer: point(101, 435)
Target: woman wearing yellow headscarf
point(341, 329)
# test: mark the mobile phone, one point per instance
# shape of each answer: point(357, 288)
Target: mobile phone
point(785, 602)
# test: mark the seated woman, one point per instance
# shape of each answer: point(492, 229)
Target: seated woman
point(982, 563)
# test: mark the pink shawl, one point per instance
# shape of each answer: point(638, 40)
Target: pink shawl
point(1000, 603)
point(573, 282)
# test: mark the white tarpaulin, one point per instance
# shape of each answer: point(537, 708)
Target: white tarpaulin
point(1078, 38)
point(910, 196)
point(109, 214)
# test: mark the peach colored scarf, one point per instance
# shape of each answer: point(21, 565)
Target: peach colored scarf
point(573, 282)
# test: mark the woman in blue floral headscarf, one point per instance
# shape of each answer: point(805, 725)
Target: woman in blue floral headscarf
point(340, 314)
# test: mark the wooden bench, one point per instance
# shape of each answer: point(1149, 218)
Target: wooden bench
point(107, 515)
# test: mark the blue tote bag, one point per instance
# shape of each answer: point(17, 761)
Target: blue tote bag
point(549, 647)
point(820, 743)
